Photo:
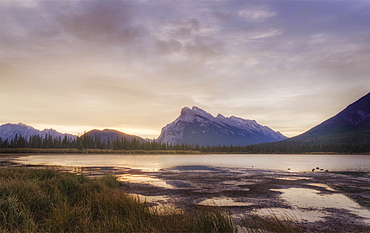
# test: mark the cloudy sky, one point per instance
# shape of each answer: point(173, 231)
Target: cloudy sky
point(132, 65)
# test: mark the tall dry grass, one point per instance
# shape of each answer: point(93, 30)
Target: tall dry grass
point(46, 200)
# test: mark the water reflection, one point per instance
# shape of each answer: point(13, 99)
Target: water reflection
point(223, 201)
point(322, 186)
point(144, 179)
point(159, 204)
point(312, 199)
point(157, 162)
point(293, 178)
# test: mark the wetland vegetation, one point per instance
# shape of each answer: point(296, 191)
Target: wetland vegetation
point(45, 200)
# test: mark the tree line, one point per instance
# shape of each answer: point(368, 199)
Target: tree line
point(87, 141)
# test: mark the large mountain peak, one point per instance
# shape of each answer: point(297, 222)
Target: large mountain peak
point(196, 126)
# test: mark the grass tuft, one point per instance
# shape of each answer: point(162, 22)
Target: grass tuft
point(277, 223)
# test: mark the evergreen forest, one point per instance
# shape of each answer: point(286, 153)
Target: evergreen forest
point(91, 143)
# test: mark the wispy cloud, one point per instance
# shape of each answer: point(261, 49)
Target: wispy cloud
point(256, 15)
point(265, 33)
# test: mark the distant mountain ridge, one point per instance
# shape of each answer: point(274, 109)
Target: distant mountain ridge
point(196, 126)
point(8, 131)
point(111, 135)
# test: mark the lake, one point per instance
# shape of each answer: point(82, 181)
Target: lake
point(299, 163)
point(266, 184)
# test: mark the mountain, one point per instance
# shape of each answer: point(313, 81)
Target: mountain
point(350, 126)
point(196, 126)
point(111, 135)
point(8, 131)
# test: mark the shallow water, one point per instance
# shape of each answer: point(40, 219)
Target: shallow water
point(294, 214)
point(159, 204)
point(322, 186)
point(157, 162)
point(313, 199)
point(144, 179)
point(223, 201)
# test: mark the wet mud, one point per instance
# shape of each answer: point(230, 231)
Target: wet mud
point(319, 201)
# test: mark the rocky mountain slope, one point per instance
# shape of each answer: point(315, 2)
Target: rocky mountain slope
point(196, 126)
point(350, 126)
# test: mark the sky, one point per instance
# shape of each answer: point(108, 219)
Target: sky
point(132, 65)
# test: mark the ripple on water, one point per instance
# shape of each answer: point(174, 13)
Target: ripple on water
point(223, 201)
point(293, 178)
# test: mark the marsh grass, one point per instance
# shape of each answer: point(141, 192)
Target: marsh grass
point(283, 222)
point(45, 200)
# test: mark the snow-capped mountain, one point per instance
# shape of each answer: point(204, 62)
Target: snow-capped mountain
point(8, 131)
point(196, 126)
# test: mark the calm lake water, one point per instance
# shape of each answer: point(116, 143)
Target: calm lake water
point(299, 163)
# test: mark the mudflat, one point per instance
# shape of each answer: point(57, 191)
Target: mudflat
point(320, 201)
